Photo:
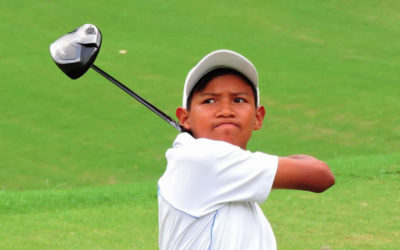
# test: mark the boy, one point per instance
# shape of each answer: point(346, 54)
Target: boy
point(209, 194)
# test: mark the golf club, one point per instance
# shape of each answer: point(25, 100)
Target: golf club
point(75, 52)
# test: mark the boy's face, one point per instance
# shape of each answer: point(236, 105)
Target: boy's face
point(225, 110)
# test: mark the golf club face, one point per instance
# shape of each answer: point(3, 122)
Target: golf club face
point(76, 51)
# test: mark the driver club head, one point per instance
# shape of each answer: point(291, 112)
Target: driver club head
point(76, 51)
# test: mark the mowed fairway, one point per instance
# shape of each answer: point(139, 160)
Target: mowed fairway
point(80, 160)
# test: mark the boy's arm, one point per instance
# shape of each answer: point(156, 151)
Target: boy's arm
point(303, 172)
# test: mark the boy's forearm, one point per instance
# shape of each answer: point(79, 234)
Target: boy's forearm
point(303, 172)
point(302, 157)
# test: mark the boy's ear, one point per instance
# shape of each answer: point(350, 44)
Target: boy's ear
point(260, 114)
point(183, 116)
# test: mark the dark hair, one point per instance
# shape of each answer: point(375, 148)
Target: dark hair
point(204, 80)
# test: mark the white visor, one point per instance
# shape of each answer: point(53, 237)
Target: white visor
point(220, 59)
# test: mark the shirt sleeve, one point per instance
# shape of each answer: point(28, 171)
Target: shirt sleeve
point(204, 174)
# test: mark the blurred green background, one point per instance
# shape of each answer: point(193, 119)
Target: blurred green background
point(328, 78)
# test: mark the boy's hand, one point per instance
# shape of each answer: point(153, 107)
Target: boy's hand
point(303, 172)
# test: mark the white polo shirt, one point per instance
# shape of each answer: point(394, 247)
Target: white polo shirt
point(209, 194)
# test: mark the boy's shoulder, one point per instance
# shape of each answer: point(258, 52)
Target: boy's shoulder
point(185, 141)
point(207, 152)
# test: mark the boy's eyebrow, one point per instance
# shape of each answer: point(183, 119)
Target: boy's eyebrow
point(242, 93)
point(201, 95)
point(216, 94)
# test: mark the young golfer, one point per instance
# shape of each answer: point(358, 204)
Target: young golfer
point(210, 193)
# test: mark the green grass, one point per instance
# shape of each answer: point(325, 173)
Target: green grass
point(88, 218)
point(79, 160)
point(360, 212)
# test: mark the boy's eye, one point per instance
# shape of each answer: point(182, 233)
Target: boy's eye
point(239, 100)
point(209, 101)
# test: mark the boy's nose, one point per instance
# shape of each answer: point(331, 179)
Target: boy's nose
point(225, 110)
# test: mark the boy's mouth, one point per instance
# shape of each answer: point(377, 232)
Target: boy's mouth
point(226, 124)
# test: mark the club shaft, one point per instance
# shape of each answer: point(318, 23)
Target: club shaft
point(139, 99)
